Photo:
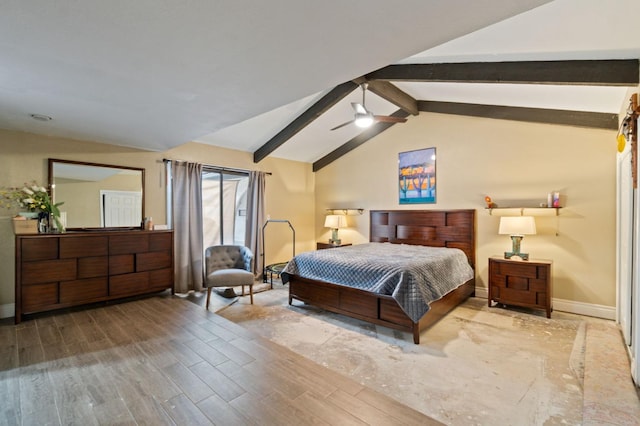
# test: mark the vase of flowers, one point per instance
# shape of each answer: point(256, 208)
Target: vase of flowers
point(34, 199)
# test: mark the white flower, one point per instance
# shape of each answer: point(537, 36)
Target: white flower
point(27, 191)
point(28, 201)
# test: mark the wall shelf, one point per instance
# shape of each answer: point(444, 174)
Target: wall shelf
point(524, 211)
point(346, 212)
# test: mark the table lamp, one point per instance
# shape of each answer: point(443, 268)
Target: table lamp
point(517, 227)
point(335, 222)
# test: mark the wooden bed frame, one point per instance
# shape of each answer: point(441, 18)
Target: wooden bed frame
point(436, 228)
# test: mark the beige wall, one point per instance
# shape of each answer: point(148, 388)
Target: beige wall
point(511, 162)
point(23, 158)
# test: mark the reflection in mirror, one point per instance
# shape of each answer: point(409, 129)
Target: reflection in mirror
point(97, 195)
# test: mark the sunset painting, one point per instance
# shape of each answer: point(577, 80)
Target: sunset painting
point(417, 176)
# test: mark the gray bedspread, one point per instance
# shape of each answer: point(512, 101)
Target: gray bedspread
point(413, 275)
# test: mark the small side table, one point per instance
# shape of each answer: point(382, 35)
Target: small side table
point(527, 283)
point(322, 246)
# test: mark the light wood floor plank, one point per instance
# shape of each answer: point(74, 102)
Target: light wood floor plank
point(46, 417)
point(191, 385)
point(326, 411)
point(88, 327)
point(206, 352)
point(360, 409)
point(221, 413)
point(148, 411)
point(182, 352)
point(296, 415)
point(222, 385)
point(157, 354)
point(27, 335)
point(113, 412)
point(258, 412)
point(9, 357)
point(36, 392)
point(402, 413)
point(185, 412)
point(231, 351)
point(10, 413)
point(50, 334)
point(246, 380)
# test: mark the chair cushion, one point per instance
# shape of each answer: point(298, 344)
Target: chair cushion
point(229, 278)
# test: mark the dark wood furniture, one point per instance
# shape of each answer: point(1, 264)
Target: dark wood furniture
point(61, 270)
point(521, 283)
point(436, 228)
point(322, 246)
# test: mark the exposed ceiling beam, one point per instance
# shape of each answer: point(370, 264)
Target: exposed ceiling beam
point(594, 72)
point(534, 115)
point(304, 119)
point(393, 94)
point(355, 142)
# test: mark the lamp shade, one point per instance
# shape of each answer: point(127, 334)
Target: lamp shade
point(517, 225)
point(335, 221)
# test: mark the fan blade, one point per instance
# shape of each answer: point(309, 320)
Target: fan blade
point(389, 119)
point(342, 125)
point(358, 108)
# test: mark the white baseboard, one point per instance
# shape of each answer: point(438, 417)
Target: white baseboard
point(589, 309)
point(570, 306)
point(7, 310)
point(482, 292)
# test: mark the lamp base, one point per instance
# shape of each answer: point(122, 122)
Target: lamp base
point(334, 240)
point(515, 249)
point(516, 256)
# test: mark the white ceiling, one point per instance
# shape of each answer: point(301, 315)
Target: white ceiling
point(155, 74)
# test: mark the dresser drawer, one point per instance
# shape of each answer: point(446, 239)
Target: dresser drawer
point(39, 297)
point(48, 271)
point(128, 284)
point(153, 260)
point(39, 249)
point(83, 290)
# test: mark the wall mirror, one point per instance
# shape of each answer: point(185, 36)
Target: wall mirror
point(97, 195)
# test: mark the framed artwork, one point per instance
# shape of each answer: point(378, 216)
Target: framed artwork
point(417, 176)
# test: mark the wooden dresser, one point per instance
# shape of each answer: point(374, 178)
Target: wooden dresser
point(521, 283)
point(61, 270)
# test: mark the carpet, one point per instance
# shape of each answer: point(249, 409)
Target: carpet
point(476, 366)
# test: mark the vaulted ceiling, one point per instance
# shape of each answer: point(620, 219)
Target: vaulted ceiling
point(273, 78)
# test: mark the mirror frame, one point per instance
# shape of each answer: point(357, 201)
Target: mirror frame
point(52, 161)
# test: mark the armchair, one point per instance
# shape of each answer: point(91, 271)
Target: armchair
point(228, 266)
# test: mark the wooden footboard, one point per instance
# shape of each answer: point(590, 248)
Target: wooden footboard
point(371, 307)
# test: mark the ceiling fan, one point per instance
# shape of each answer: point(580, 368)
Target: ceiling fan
point(365, 118)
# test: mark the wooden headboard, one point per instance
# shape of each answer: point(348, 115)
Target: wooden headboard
point(436, 228)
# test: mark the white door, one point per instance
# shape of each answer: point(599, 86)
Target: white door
point(120, 208)
point(625, 243)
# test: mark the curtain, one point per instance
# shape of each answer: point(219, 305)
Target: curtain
point(255, 219)
point(186, 188)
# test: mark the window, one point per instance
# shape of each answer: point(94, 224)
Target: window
point(224, 206)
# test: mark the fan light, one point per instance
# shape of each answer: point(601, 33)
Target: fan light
point(364, 120)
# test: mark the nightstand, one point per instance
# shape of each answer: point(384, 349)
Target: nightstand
point(321, 246)
point(521, 283)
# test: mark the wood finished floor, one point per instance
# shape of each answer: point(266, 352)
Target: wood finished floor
point(162, 360)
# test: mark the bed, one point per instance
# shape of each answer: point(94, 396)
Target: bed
point(399, 229)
